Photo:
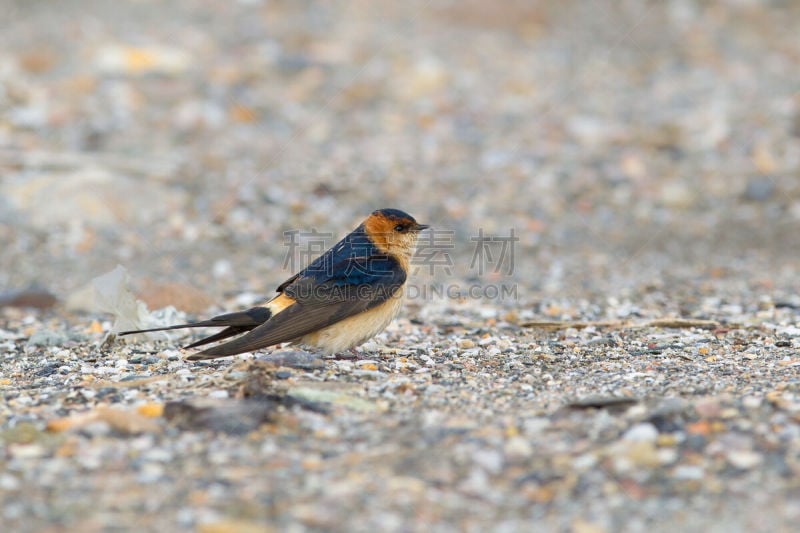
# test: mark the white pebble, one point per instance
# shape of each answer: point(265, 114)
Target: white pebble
point(744, 459)
point(688, 472)
point(489, 460)
point(518, 448)
point(641, 433)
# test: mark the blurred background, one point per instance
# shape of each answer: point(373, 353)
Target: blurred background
point(635, 147)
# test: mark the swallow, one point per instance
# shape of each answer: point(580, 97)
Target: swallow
point(343, 298)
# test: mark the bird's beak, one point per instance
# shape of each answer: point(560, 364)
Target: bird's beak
point(420, 227)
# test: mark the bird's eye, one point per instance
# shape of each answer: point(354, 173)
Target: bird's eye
point(399, 228)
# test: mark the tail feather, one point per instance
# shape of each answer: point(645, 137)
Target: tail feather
point(224, 334)
point(255, 316)
point(234, 324)
point(204, 324)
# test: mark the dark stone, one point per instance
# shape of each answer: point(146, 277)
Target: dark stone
point(34, 298)
point(294, 359)
point(759, 189)
point(601, 341)
point(696, 442)
point(48, 370)
point(229, 416)
point(602, 402)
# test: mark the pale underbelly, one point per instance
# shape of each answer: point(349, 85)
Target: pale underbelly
point(354, 330)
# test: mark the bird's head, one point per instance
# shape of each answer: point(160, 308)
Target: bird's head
point(393, 232)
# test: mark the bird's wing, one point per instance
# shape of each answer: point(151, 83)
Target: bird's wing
point(320, 299)
point(288, 282)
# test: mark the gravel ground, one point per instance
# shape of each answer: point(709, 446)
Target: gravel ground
point(633, 365)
